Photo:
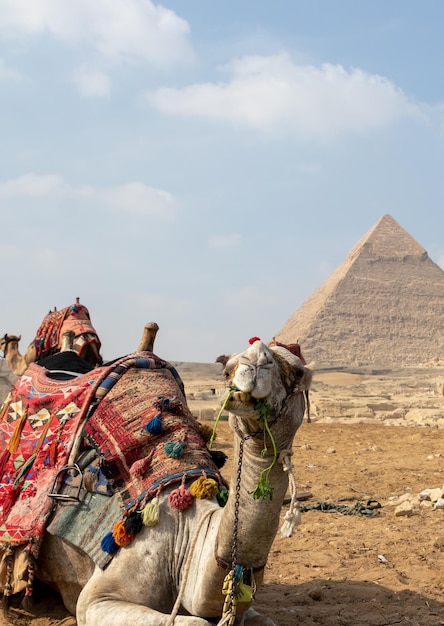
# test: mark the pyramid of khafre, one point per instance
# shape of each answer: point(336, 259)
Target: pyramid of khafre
point(383, 305)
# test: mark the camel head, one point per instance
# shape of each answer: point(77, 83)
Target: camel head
point(222, 359)
point(9, 341)
point(271, 379)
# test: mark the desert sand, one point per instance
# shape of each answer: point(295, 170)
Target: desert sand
point(376, 436)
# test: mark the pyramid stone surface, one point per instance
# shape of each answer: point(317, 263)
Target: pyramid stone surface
point(383, 305)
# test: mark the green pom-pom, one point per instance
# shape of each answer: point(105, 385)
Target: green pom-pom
point(222, 496)
point(174, 449)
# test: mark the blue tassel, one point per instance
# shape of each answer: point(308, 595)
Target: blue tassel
point(154, 426)
point(174, 449)
point(108, 544)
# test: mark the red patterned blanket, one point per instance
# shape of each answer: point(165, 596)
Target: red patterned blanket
point(38, 425)
point(135, 415)
point(147, 436)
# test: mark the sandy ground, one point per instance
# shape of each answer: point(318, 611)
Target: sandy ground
point(344, 569)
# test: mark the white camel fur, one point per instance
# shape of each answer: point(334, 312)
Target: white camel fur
point(173, 573)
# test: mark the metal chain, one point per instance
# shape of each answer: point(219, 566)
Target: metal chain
point(229, 614)
point(237, 503)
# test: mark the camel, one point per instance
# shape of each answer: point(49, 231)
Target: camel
point(202, 565)
point(48, 339)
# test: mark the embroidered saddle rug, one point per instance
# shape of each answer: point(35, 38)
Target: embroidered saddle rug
point(38, 425)
point(133, 413)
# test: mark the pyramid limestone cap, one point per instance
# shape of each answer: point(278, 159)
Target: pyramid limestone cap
point(387, 239)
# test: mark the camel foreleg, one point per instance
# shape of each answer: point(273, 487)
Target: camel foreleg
point(111, 612)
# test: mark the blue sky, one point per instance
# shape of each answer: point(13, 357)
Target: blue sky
point(207, 165)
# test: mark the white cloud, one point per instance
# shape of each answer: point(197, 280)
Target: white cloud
point(116, 31)
point(232, 240)
point(134, 197)
point(31, 185)
point(139, 199)
point(92, 83)
point(273, 94)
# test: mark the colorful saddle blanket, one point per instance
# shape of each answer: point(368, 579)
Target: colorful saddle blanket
point(38, 425)
point(133, 413)
point(147, 436)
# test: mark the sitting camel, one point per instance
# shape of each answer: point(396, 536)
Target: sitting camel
point(201, 566)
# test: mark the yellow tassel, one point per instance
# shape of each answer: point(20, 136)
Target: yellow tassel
point(204, 488)
point(150, 514)
point(121, 536)
point(244, 593)
point(15, 437)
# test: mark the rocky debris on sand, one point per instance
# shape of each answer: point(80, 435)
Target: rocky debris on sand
point(408, 504)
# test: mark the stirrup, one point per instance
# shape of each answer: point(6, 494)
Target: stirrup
point(65, 496)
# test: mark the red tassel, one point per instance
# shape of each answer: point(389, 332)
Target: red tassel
point(139, 468)
point(181, 498)
point(8, 498)
point(52, 453)
point(4, 458)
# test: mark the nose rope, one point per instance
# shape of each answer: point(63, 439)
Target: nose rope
point(292, 517)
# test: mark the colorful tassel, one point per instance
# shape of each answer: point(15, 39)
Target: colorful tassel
point(121, 536)
point(150, 513)
point(204, 488)
point(7, 588)
point(219, 458)
point(108, 544)
point(4, 458)
point(181, 498)
point(133, 523)
point(154, 426)
point(172, 406)
point(174, 449)
point(52, 452)
point(140, 467)
point(222, 496)
point(13, 441)
point(15, 437)
point(28, 599)
point(8, 496)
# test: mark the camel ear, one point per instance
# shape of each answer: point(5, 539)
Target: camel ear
point(231, 361)
point(304, 376)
